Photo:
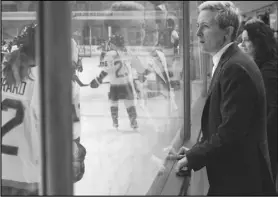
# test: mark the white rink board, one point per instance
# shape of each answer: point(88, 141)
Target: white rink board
point(93, 50)
point(97, 15)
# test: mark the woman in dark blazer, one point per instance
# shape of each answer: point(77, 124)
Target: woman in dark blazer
point(259, 42)
point(233, 146)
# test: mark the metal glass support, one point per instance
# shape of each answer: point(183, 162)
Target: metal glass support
point(54, 19)
point(186, 68)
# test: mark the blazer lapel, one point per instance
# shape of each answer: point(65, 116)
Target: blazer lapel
point(214, 79)
point(225, 57)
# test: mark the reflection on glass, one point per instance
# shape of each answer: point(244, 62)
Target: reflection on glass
point(131, 102)
point(20, 128)
point(127, 96)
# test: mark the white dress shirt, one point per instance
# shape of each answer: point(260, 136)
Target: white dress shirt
point(216, 58)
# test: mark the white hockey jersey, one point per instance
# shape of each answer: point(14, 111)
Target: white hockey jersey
point(117, 66)
point(121, 67)
point(20, 131)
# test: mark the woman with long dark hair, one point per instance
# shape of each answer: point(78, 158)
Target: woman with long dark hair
point(259, 42)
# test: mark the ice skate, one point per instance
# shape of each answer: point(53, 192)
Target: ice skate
point(116, 126)
point(114, 114)
point(132, 117)
point(134, 125)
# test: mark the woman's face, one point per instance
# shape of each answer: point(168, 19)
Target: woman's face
point(246, 45)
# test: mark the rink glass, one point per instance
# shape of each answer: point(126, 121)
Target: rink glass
point(123, 161)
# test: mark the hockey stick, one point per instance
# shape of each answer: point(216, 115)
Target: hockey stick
point(76, 78)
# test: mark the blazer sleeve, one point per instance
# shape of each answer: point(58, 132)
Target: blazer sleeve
point(269, 73)
point(236, 106)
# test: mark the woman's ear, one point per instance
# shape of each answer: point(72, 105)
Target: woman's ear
point(229, 32)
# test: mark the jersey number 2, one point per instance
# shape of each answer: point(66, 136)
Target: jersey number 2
point(122, 66)
point(17, 120)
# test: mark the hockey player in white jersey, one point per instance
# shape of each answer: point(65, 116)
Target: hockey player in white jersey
point(20, 126)
point(141, 67)
point(118, 65)
point(21, 119)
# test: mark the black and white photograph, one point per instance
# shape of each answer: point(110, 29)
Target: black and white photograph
point(140, 98)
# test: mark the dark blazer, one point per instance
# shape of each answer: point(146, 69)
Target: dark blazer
point(234, 145)
point(268, 68)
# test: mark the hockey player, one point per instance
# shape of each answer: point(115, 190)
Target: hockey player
point(118, 65)
point(142, 69)
point(21, 129)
